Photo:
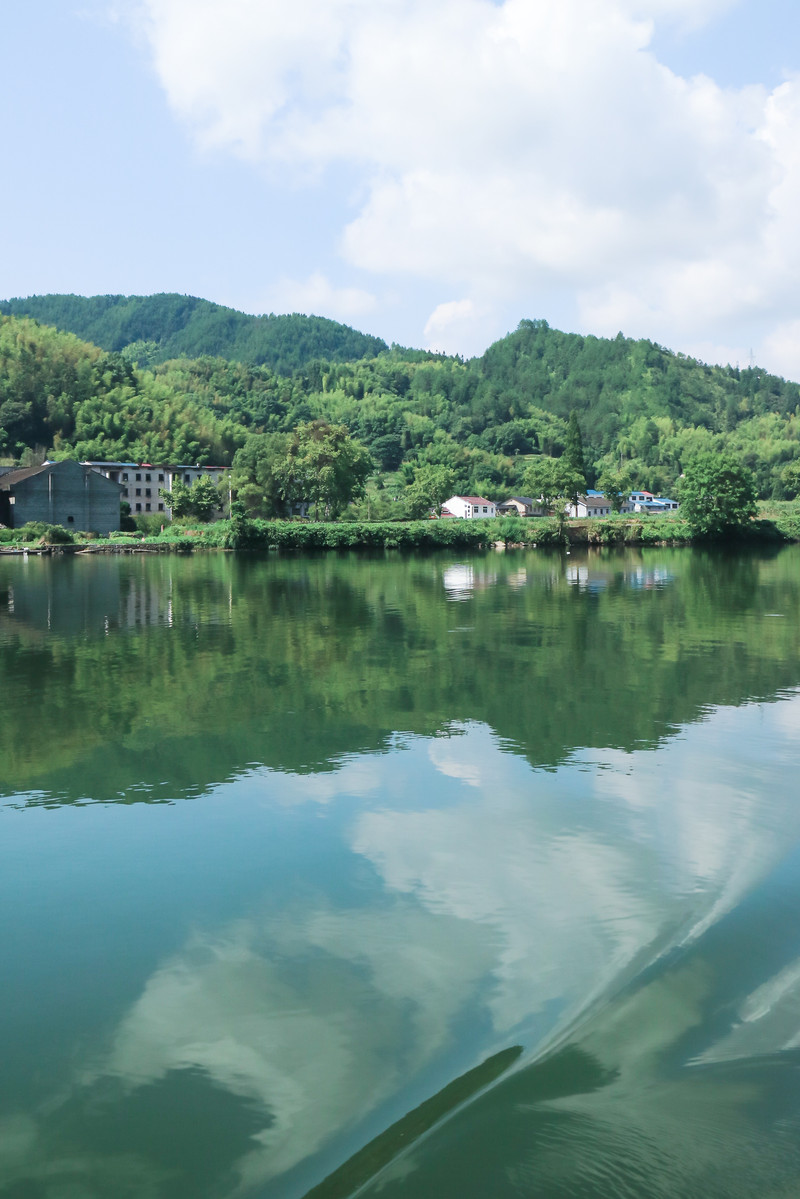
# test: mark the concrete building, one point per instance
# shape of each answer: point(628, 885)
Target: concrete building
point(141, 482)
point(60, 493)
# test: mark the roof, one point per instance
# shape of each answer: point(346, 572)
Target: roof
point(472, 499)
point(521, 499)
point(11, 477)
point(151, 465)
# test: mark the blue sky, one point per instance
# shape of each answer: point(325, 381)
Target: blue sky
point(430, 172)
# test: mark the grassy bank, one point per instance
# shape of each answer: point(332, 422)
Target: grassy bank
point(777, 522)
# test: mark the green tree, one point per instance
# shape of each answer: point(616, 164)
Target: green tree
point(205, 499)
point(555, 482)
point(431, 487)
point(179, 499)
point(717, 495)
point(199, 501)
point(790, 477)
point(573, 445)
point(325, 466)
point(258, 475)
point(616, 486)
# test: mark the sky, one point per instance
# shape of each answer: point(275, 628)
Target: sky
point(430, 171)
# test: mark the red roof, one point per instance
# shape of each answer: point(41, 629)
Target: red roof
point(472, 499)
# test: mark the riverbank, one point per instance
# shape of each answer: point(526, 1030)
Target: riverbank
point(781, 525)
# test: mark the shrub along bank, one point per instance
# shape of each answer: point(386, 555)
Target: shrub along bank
point(780, 523)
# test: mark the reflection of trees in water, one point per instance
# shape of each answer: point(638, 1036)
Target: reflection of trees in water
point(215, 662)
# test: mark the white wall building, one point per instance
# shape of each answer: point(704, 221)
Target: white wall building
point(469, 507)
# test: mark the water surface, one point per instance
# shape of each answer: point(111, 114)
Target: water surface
point(434, 876)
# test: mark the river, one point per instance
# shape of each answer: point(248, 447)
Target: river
point(441, 876)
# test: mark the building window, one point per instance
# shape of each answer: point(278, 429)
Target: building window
point(138, 478)
point(187, 479)
point(125, 477)
point(161, 507)
point(147, 490)
point(485, 508)
point(138, 507)
point(138, 491)
point(147, 478)
point(70, 520)
point(161, 478)
point(147, 507)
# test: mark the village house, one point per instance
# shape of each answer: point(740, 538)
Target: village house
point(520, 505)
point(60, 493)
point(645, 501)
point(593, 503)
point(468, 507)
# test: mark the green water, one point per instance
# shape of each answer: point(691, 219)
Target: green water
point(471, 877)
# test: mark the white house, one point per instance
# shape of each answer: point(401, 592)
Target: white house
point(645, 501)
point(468, 507)
point(594, 503)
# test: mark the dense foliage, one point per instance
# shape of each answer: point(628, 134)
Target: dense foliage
point(155, 328)
point(718, 495)
point(627, 412)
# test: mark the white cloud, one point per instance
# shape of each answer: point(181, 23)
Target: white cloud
point(507, 150)
point(454, 325)
point(319, 296)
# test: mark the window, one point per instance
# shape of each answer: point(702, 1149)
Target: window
point(147, 478)
point(138, 507)
point(138, 491)
point(161, 507)
point(147, 507)
point(70, 520)
point(161, 478)
point(147, 490)
point(138, 478)
point(187, 479)
point(485, 508)
point(125, 477)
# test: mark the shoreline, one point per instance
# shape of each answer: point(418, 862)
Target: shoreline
point(263, 536)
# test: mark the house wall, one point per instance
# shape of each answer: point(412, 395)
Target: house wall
point(67, 494)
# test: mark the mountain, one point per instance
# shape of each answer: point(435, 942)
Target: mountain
point(153, 329)
point(637, 406)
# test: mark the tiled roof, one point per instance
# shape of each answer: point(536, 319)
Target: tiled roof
point(24, 472)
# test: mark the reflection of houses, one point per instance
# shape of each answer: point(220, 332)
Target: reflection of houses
point(60, 493)
point(520, 505)
point(468, 507)
point(141, 481)
point(462, 579)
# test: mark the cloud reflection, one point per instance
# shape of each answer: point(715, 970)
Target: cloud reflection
point(500, 899)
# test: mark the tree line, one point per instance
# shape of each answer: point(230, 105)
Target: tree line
point(642, 412)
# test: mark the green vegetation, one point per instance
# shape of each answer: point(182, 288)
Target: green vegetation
point(153, 329)
point(718, 495)
point(615, 412)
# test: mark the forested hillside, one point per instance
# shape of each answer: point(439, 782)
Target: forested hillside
point(639, 407)
point(156, 328)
